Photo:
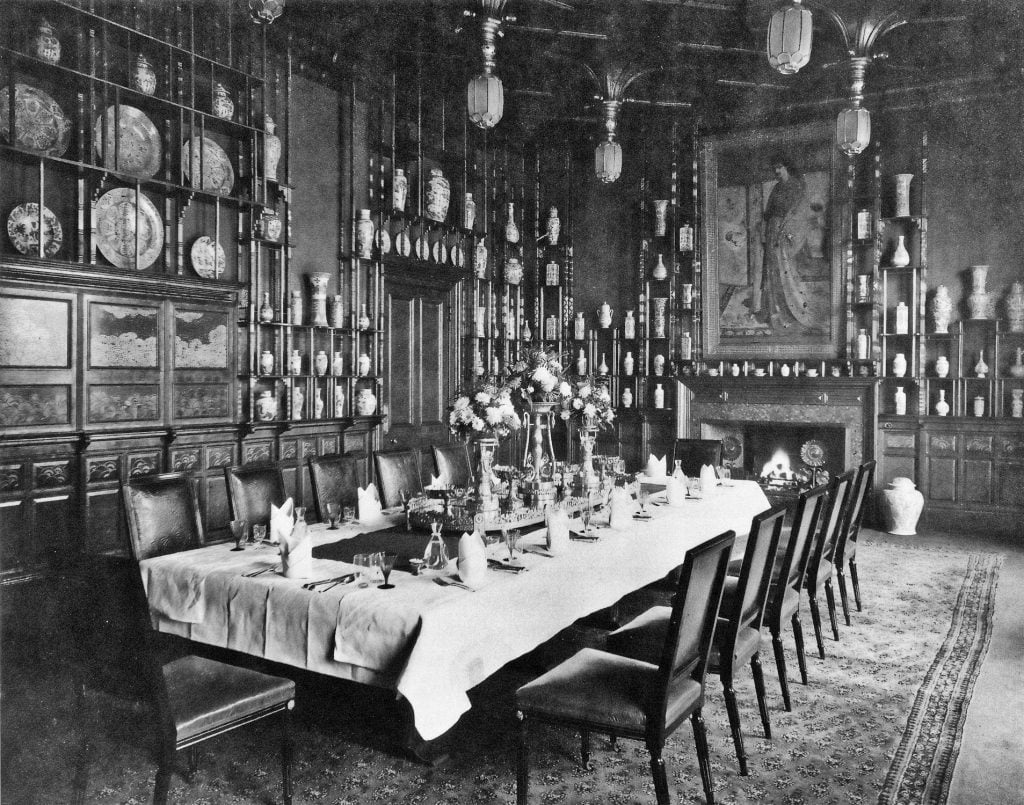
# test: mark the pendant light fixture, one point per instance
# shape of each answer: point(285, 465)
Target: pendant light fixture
point(485, 95)
point(265, 12)
point(613, 84)
point(853, 125)
point(789, 38)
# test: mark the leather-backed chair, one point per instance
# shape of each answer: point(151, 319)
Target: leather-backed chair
point(252, 489)
point(453, 464)
point(646, 700)
point(398, 473)
point(335, 479)
point(820, 568)
point(788, 581)
point(846, 545)
point(694, 454)
point(193, 698)
point(738, 636)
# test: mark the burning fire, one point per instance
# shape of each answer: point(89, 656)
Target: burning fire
point(778, 469)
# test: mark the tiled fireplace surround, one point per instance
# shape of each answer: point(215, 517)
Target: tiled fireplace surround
point(839, 411)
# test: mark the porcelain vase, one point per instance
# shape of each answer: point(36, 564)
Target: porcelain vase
point(337, 311)
point(979, 302)
point(629, 325)
point(903, 194)
point(366, 402)
point(604, 315)
point(900, 255)
point(295, 363)
point(266, 406)
point(579, 327)
point(142, 77)
point(338, 365)
point(271, 148)
point(320, 363)
point(364, 235)
point(658, 364)
point(267, 362)
point(266, 309)
point(513, 271)
point(439, 193)
point(660, 216)
point(511, 230)
point(660, 272)
point(1017, 403)
point(942, 407)
point(942, 309)
point(1017, 367)
point(941, 366)
point(363, 367)
point(659, 396)
point(318, 405)
point(339, 401)
point(295, 308)
point(399, 189)
point(627, 397)
point(553, 227)
point(222, 105)
point(363, 322)
point(660, 303)
point(900, 401)
point(480, 259)
point(901, 507)
point(319, 298)
point(1015, 308)
point(45, 45)
point(979, 406)
point(899, 365)
point(468, 212)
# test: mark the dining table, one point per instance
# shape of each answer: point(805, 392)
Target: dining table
point(427, 638)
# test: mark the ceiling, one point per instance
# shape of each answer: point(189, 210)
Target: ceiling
point(703, 58)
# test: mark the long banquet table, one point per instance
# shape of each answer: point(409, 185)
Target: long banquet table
point(429, 642)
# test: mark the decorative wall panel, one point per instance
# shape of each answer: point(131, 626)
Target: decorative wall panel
point(34, 332)
point(24, 406)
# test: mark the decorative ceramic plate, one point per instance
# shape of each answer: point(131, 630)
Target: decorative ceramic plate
point(137, 148)
point(217, 174)
point(383, 240)
point(203, 262)
point(23, 230)
point(440, 252)
point(39, 122)
point(422, 248)
point(402, 244)
point(458, 257)
point(116, 216)
point(731, 448)
point(812, 452)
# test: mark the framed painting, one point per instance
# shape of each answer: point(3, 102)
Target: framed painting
point(123, 336)
point(200, 339)
point(772, 244)
point(35, 332)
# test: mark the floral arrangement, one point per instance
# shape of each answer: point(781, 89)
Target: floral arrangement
point(539, 376)
point(485, 409)
point(590, 402)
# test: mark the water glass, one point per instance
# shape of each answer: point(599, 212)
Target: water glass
point(259, 533)
point(585, 514)
point(348, 514)
point(240, 531)
point(332, 515)
point(300, 514)
point(511, 537)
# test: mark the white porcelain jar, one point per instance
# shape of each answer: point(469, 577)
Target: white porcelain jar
point(366, 402)
point(902, 504)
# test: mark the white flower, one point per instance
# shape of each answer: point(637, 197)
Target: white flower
point(609, 415)
point(493, 416)
point(565, 389)
point(483, 397)
point(544, 379)
point(589, 410)
point(565, 415)
point(604, 394)
point(585, 390)
point(478, 423)
point(577, 403)
point(462, 402)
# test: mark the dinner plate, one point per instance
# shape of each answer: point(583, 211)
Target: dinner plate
point(136, 149)
point(217, 174)
point(116, 216)
point(403, 245)
point(383, 240)
point(203, 262)
point(440, 252)
point(458, 257)
point(23, 230)
point(40, 124)
point(422, 248)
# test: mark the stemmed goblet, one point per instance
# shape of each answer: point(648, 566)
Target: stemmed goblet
point(585, 514)
point(387, 564)
point(333, 510)
point(641, 497)
point(238, 531)
point(511, 537)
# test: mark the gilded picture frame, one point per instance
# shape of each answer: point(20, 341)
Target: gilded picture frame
point(771, 245)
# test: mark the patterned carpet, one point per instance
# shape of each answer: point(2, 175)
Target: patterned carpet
point(879, 722)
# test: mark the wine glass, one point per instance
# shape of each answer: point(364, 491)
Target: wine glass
point(332, 515)
point(585, 514)
point(641, 498)
point(238, 531)
point(386, 562)
point(511, 537)
point(300, 514)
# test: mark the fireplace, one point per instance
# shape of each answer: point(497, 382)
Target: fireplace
point(753, 416)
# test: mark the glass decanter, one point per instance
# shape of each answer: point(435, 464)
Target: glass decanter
point(435, 557)
point(677, 473)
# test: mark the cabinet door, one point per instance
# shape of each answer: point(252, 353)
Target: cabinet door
point(421, 363)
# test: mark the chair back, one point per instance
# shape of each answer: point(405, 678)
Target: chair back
point(747, 605)
point(855, 509)
point(163, 516)
point(691, 626)
point(819, 568)
point(798, 550)
point(453, 464)
point(336, 479)
point(695, 453)
point(252, 489)
point(398, 471)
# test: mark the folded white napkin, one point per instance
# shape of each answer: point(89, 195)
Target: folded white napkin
point(675, 491)
point(368, 503)
point(472, 560)
point(557, 537)
point(621, 509)
point(656, 467)
point(435, 482)
point(281, 520)
point(297, 553)
point(708, 479)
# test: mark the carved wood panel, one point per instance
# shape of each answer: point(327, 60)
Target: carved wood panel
point(941, 476)
point(977, 481)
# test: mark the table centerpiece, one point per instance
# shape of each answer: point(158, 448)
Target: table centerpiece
point(588, 406)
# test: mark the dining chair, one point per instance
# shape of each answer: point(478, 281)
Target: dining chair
point(820, 566)
point(193, 698)
point(695, 453)
point(398, 473)
point(453, 464)
point(646, 700)
point(787, 582)
point(846, 545)
point(252, 489)
point(738, 637)
point(336, 479)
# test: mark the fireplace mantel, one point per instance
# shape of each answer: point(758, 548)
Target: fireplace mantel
point(721, 403)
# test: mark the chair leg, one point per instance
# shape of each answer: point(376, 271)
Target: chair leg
point(585, 748)
point(762, 699)
point(798, 638)
point(700, 740)
point(163, 777)
point(286, 754)
point(734, 722)
point(522, 762)
point(856, 583)
point(843, 596)
point(780, 664)
point(658, 772)
point(193, 761)
point(830, 599)
point(812, 600)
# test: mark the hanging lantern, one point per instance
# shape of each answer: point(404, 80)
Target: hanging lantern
point(485, 95)
point(485, 100)
point(853, 130)
point(265, 11)
point(789, 38)
point(608, 154)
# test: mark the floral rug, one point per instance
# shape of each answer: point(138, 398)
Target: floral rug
point(879, 722)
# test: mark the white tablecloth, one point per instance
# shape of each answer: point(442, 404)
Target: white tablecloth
point(431, 643)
